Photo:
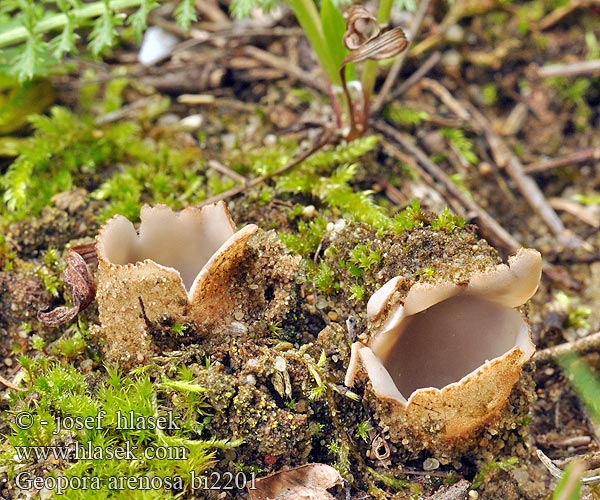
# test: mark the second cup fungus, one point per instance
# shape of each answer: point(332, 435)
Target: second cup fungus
point(441, 359)
point(176, 269)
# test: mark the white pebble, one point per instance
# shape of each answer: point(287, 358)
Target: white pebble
point(156, 45)
point(280, 364)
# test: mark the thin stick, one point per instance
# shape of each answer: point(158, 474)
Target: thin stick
point(9, 384)
point(489, 227)
point(391, 77)
point(444, 95)
point(326, 139)
point(503, 156)
point(285, 66)
point(395, 152)
point(589, 343)
point(494, 231)
point(571, 69)
point(219, 167)
point(557, 14)
point(581, 156)
point(413, 79)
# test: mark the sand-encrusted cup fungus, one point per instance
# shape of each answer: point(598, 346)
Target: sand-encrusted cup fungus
point(442, 359)
point(174, 270)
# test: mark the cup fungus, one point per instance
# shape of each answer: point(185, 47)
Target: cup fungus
point(442, 359)
point(175, 269)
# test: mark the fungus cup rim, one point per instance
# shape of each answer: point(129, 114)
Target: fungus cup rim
point(230, 240)
point(509, 285)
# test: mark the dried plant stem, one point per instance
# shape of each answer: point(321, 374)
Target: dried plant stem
point(285, 66)
point(219, 167)
point(326, 139)
point(415, 27)
point(557, 14)
point(581, 156)
point(571, 69)
point(504, 157)
point(413, 79)
point(585, 345)
point(9, 384)
point(494, 231)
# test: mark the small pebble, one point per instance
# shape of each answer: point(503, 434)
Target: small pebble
point(455, 34)
point(473, 494)
point(332, 315)
point(8, 361)
point(239, 315)
point(431, 464)
point(192, 122)
point(156, 45)
point(309, 211)
point(280, 364)
point(228, 141)
point(86, 366)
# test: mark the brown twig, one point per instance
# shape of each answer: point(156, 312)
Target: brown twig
point(444, 95)
point(393, 194)
point(496, 233)
point(577, 210)
point(326, 139)
point(284, 65)
point(567, 70)
point(415, 27)
point(587, 344)
point(219, 167)
point(581, 156)
point(9, 384)
point(557, 14)
point(413, 79)
point(504, 157)
point(488, 225)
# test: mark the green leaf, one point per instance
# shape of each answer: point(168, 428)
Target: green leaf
point(569, 486)
point(185, 14)
point(138, 20)
point(65, 42)
point(104, 32)
point(335, 26)
point(584, 381)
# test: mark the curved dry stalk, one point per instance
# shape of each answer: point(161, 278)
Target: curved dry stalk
point(558, 473)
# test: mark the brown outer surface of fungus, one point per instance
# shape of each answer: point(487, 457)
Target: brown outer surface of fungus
point(440, 418)
point(135, 297)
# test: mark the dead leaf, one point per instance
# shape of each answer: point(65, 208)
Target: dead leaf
point(307, 482)
point(77, 275)
point(361, 26)
point(385, 45)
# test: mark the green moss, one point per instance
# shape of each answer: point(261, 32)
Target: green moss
point(403, 116)
point(63, 148)
point(447, 221)
point(408, 219)
point(463, 144)
point(504, 465)
point(364, 257)
point(59, 394)
point(325, 279)
point(307, 237)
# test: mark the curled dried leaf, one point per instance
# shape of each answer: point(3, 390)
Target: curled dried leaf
point(307, 482)
point(78, 277)
point(385, 45)
point(361, 26)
